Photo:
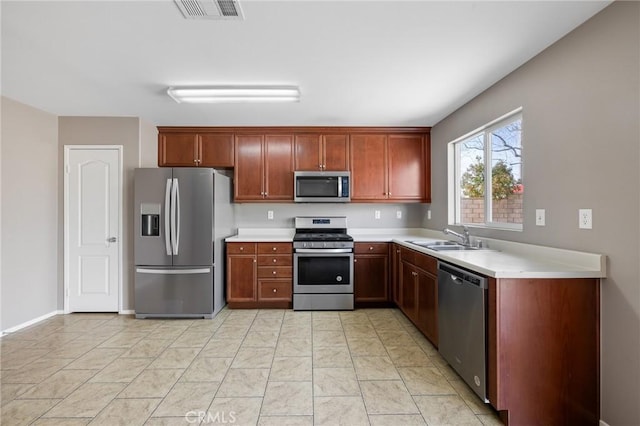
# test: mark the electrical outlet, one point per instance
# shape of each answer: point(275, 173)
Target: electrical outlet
point(270, 214)
point(376, 214)
point(429, 214)
point(540, 220)
point(399, 214)
point(585, 219)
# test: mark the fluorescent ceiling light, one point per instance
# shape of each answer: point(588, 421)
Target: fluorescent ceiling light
point(216, 94)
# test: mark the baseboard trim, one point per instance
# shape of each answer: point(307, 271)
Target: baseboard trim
point(603, 423)
point(127, 312)
point(31, 322)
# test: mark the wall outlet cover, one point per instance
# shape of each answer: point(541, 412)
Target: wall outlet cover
point(399, 214)
point(270, 214)
point(585, 219)
point(540, 217)
point(376, 214)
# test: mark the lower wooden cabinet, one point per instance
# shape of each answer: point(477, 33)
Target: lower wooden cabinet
point(371, 274)
point(418, 286)
point(259, 275)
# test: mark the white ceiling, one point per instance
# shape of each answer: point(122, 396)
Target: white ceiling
point(356, 62)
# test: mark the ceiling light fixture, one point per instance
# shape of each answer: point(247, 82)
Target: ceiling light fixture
point(218, 94)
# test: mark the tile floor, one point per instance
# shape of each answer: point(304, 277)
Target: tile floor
point(244, 367)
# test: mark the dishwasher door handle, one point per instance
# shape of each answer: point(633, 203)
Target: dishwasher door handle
point(456, 280)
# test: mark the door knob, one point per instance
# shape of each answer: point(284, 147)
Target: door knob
point(112, 240)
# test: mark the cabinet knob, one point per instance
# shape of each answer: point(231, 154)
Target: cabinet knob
point(274, 249)
point(274, 272)
point(389, 194)
point(275, 291)
point(370, 248)
point(355, 260)
point(254, 261)
point(275, 260)
point(241, 248)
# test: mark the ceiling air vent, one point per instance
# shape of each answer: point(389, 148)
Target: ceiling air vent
point(210, 9)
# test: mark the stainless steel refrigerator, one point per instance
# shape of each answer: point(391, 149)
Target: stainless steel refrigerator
point(182, 216)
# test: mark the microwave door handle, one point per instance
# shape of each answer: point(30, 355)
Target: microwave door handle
point(340, 186)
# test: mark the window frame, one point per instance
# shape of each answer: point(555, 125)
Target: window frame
point(454, 173)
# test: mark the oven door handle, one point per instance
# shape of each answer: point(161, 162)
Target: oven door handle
point(320, 251)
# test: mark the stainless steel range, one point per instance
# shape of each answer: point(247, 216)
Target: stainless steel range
point(322, 264)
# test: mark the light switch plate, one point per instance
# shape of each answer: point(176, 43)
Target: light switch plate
point(540, 217)
point(399, 214)
point(270, 214)
point(585, 219)
point(376, 214)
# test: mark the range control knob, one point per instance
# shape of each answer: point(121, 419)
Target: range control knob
point(339, 278)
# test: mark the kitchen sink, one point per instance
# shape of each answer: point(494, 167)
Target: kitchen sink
point(442, 245)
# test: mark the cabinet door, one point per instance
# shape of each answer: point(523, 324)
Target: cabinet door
point(427, 319)
point(408, 290)
point(177, 149)
point(368, 158)
point(248, 171)
point(241, 278)
point(216, 150)
point(335, 153)
point(308, 153)
point(395, 275)
point(371, 278)
point(406, 167)
point(278, 161)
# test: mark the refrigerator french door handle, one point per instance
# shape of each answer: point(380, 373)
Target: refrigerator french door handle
point(174, 187)
point(167, 225)
point(177, 185)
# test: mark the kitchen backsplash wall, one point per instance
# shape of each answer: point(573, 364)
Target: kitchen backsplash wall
point(252, 215)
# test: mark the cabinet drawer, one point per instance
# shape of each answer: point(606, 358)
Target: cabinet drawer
point(275, 260)
point(275, 272)
point(275, 289)
point(241, 248)
point(427, 263)
point(272, 248)
point(408, 255)
point(371, 248)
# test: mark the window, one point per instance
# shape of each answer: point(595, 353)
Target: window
point(475, 199)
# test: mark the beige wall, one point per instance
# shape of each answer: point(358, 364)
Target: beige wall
point(104, 131)
point(581, 144)
point(148, 144)
point(29, 213)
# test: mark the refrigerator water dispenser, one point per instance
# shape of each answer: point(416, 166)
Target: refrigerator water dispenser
point(150, 220)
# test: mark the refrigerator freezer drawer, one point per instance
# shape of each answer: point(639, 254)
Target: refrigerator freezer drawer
point(164, 292)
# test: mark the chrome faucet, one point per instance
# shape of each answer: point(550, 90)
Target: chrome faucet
point(464, 237)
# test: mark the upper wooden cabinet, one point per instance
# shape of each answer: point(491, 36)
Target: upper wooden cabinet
point(387, 164)
point(263, 168)
point(195, 149)
point(389, 168)
point(316, 152)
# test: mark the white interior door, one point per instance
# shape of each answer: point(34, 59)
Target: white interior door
point(93, 199)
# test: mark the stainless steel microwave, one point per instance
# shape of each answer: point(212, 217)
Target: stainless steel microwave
point(322, 187)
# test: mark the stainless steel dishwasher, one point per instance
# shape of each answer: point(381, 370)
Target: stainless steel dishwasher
point(462, 321)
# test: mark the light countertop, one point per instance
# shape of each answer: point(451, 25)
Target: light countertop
point(502, 259)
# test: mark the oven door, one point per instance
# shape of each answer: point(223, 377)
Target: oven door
point(323, 271)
